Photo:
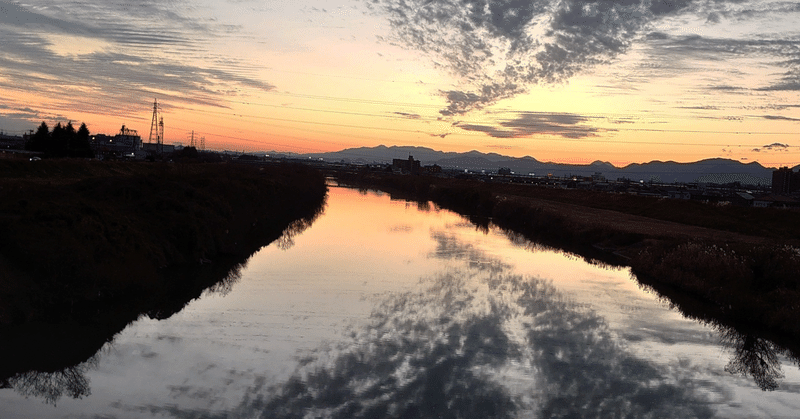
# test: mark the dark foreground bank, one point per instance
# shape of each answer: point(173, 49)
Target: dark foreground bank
point(88, 246)
point(737, 267)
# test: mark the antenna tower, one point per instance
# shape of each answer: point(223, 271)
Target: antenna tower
point(157, 128)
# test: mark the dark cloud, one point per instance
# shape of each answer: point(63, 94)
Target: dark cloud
point(780, 118)
point(408, 115)
point(726, 88)
point(497, 48)
point(773, 147)
point(776, 147)
point(532, 123)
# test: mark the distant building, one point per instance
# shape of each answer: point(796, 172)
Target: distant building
point(158, 148)
point(433, 169)
point(125, 144)
point(12, 142)
point(679, 194)
point(406, 166)
point(504, 171)
point(785, 181)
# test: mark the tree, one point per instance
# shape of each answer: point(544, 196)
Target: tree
point(80, 145)
point(58, 145)
point(83, 131)
point(63, 141)
point(39, 140)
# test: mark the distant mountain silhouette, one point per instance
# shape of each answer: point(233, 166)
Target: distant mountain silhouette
point(714, 170)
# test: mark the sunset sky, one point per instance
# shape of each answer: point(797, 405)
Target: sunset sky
point(560, 80)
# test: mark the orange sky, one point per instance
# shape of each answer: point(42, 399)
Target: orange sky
point(560, 81)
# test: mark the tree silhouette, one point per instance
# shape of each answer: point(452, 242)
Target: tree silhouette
point(58, 144)
point(80, 145)
point(39, 140)
point(754, 356)
point(63, 141)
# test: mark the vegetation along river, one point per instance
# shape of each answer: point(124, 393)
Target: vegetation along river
point(387, 308)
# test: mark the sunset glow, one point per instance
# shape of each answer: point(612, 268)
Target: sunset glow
point(559, 80)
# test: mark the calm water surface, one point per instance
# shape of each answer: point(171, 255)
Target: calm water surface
point(385, 309)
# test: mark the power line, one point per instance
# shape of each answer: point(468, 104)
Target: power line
point(351, 100)
point(559, 138)
point(420, 82)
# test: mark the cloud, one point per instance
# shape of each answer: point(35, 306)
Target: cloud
point(113, 21)
point(700, 108)
point(497, 48)
point(780, 118)
point(408, 115)
point(114, 57)
point(532, 123)
point(726, 88)
point(681, 53)
point(779, 147)
point(479, 342)
point(776, 147)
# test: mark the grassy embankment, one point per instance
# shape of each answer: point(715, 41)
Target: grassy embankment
point(89, 245)
point(733, 265)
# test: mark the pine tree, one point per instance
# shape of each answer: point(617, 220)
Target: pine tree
point(39, 141)
point(81, 147)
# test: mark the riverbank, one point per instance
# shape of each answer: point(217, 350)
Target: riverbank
point(742, 263)
point(89, 246)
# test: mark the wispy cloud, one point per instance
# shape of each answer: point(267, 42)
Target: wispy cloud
point(113, 56)
point(779, 51)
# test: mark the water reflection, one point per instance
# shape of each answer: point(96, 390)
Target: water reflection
point(50, 360)
point(479, 336)
point(295, 228)
point(755, 357)
point(754, 353)
point(51, 386)
point(477, 341)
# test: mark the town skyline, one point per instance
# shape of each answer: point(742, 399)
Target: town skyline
point(567, 81)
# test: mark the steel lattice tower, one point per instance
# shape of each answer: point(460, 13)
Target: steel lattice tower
point(157, 128)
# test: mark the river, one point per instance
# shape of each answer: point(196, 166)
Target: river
point(388, 308)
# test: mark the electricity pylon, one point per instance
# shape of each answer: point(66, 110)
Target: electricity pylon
point(157, 129)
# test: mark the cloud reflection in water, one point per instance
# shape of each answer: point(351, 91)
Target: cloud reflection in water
point(477, 341)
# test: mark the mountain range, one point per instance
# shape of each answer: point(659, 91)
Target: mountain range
point(714, 170)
